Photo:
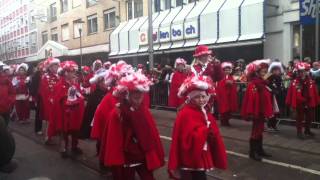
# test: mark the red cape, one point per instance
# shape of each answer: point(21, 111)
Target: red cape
point(64, 117)
point(7, 94)
point(177, 79)
point(189, 135)
point(295, 98)
point(46, 92)
point(227, 96)
point(114, 141)
point(257, 102)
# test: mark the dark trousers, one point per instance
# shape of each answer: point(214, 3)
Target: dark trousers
point(74, 139)
point(38, 119)
point(193, 175)
point(304, 117)
point(6, 117)
point(128, 173)
point(257, 127)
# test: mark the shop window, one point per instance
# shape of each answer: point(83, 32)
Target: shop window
point(92, 24)
point(109, 19)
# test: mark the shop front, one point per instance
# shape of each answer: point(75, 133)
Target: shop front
point(232, 28)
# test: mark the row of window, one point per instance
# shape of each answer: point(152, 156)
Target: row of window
point(109, 19)
point(64, 7)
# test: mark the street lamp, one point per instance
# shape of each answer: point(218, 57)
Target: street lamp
point(80, 22)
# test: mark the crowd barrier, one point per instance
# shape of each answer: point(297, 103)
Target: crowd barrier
point(159, 99)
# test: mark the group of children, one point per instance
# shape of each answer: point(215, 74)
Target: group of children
point(110, 103)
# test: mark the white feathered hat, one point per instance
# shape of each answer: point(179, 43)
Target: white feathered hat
point(179, 61)
point(276, 65)
point(226, 65)
point(22, 65)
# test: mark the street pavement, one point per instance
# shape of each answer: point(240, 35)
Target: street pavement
point(292, 158)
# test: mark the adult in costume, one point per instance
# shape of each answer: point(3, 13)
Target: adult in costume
point(196, 145)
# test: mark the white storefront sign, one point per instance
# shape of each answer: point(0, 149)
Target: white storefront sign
point(177, 32)
point(164, 34)
point(191, 29)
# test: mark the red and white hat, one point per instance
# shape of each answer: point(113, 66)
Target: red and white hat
point(100, 75)
point(132, 82)
point(302, 66)
point(51, 61)
point(276, 65)
point(202, 50)
point(86, 69)
point(121, 69)
point(226, 65)
point(179, 61)
point(257, 65)
point(69, 66)
point(22, 65)
point(195, 84)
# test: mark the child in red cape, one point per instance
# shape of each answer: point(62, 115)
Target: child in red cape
point(227, 94)
point(132, 139)
point(196, 145)
point(68, 109)
point(177, 79)
point(303, 98)
point(20, 83)
point(257, 105)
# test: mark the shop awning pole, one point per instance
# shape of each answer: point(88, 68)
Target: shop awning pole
point(150, 32)
point(301, 40)
point(317, 32)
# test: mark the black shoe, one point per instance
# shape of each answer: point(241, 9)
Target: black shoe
point(64, 154)
point(261, 151)
point(308, 133)
point(253, 154)
point(76, 151)
point(300, 136)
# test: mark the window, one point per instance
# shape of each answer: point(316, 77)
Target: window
point(135, 9)
point(44, 36)
point(53, 12)
point(109, 19)
point(54, 34)
point(161, 5)
point(91, 2)
point(65, 32)
point(76, 3)
point(76, 27)
point(64, 5)
point(92, 24)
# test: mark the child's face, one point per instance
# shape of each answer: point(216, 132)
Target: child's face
point(200, 100)
point(22, 71)
point(70, 75)
point(54, 68)
point(276, 72)
point(263, 72)
point(180, 67)
point(227, 71)
point(136, 98)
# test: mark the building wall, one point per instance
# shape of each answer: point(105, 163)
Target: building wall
point(75, 13)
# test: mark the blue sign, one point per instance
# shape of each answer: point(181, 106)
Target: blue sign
point(308, 12)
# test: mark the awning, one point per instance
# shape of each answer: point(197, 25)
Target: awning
point(55, 49)
point(134, 37)
point(124, 37)
point(178, 28)
point(216, 23)
point(114, 39)
point(165, 28)
point(191, 22)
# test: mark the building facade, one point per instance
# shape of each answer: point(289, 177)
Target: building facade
point(17, 31)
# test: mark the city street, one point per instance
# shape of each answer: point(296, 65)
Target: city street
point(292, 158)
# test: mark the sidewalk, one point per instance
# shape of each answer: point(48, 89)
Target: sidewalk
point(241, 130)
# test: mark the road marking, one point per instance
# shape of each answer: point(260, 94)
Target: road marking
point(292, 166)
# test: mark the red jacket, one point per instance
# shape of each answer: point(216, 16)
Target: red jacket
point(120, 149)
point(227, 95)
point(257, 100)
point(212, 69)
point(20, 84)
point(177, 79)
point(67, 114)
point(47, 93)
point(302, 93)
point(7, 94)
point(189, 136)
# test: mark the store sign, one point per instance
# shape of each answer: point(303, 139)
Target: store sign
point(164, 34)
point(308, 11)
point(143, 37)
point(177, 32)
point(191, 29)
